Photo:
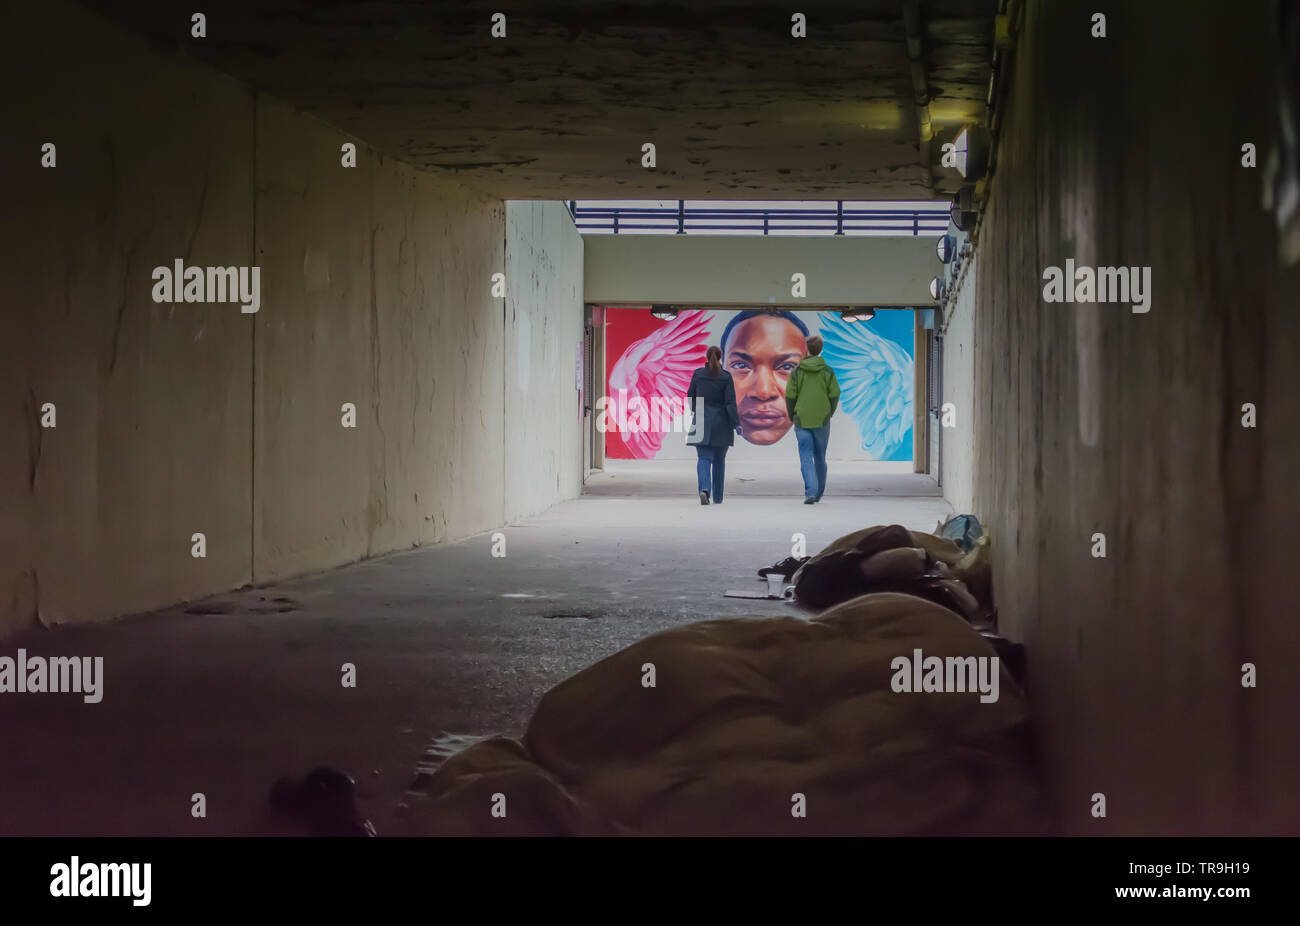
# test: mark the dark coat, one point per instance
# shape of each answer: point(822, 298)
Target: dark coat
point(721, 418)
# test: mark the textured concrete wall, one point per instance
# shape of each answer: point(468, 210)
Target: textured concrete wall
point(154, 162)
point(377, 292)
point(543, 329)
point(181, 418)
point(959, 349)
point(756, 270)
point(1090, 418)
point(437, 366)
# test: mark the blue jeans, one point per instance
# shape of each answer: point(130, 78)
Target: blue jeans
point(812, 458)
point(715, 459)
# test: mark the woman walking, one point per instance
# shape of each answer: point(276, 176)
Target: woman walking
point(712, 397)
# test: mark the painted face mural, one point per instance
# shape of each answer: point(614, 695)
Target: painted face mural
point(650, 362)
point(760, 353)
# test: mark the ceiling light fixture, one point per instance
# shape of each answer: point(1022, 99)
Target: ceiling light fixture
point(937, 288)
point(859, 313)
point(971, 152)
point(665, 312)
point(944, 248)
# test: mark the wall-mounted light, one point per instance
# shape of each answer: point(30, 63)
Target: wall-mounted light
point(964, 212)
point(936, 288)
point(963, 219)
point(858, 314)
point(945, 247)
point(971, 151)
point(665, 312)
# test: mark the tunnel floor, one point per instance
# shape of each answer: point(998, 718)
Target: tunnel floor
point(222, 696)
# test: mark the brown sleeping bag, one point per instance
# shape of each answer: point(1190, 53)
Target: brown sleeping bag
point(745, 715)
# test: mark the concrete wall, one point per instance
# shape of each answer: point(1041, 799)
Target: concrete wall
point(958, 379)
point(154, 401)
point(1090, 418)
point(181, 418)
point(756, 270)
point(543, 332)
point(377, 292)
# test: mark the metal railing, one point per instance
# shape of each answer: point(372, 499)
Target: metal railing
point(830, 218)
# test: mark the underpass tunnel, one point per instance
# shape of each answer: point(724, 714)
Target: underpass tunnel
point(312, 312)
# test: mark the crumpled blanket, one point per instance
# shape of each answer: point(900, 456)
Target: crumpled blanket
point(749, 722)
point(890, 558)
point(893, 559)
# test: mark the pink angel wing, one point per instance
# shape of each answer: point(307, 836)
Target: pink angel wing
point(658, 365)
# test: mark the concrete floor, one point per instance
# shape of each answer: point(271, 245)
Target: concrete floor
point(222, 696)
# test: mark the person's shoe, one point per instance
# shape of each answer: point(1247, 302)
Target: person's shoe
point(325, 800)
point(786, 567)
point(704, 498)
point(817, 499)
point(810, 501)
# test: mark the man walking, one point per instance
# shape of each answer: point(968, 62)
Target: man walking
point(811, 395)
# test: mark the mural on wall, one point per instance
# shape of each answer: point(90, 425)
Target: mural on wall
point(658, 364)
point(650, 361)
point(875, 374)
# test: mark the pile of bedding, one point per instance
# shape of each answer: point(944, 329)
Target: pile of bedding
point(771, 726)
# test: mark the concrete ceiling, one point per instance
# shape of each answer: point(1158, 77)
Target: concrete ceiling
point(559, 109)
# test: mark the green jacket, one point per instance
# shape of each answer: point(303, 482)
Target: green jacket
point(811, 393)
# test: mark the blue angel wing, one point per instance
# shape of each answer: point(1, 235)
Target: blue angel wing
point(875, 377)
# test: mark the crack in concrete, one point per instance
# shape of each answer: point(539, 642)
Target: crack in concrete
point(469, 165)
point(35, 436)
point(122, 300)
